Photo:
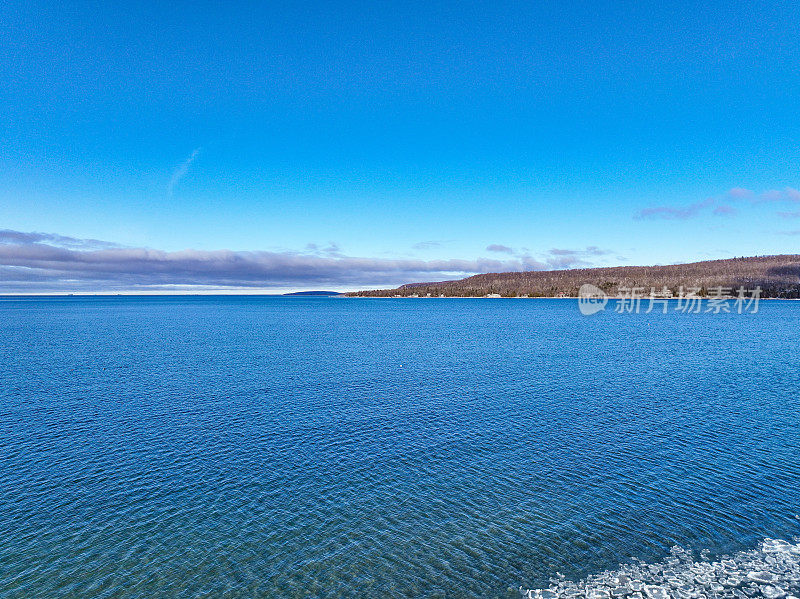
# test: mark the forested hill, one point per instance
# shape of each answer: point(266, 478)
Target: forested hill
point(778, 276)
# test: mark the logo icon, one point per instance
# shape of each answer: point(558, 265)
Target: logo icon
point(591, 299)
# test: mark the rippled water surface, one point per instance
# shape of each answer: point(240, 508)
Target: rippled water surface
point(293, 447)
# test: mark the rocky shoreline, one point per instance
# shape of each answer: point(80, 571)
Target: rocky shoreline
point(771, 571)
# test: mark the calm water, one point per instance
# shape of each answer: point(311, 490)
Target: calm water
point(293, 447)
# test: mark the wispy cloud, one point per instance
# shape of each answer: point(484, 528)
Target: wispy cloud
point(7, 236)
point(721, 205)
point(331, 249)
point(427, 245)
point(38, 262)
point(674, 212)
point(560, 258)
point(591, 250)
point(181, 170)
point(724, 210)
point(555, 258)
point(740, 193)
point(786, 195)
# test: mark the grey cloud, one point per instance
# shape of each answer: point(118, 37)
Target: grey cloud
point(495, 247)
point(30, 264)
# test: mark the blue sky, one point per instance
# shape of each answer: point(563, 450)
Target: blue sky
point(401, 134)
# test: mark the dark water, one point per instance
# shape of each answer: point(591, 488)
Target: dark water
point(293, 447)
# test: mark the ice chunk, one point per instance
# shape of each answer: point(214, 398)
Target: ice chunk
point(770, 572)
point(771, 592)
point(775, 546)
point(656, 592)
point(762, 576)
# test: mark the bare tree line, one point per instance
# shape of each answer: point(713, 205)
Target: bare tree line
point(777, 276)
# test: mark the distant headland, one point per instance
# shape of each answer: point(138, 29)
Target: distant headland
point(777, 276)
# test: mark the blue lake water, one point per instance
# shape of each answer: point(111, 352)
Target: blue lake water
point(295, 447)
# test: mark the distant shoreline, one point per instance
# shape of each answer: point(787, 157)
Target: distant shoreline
point(776, 277)
point(643, 298)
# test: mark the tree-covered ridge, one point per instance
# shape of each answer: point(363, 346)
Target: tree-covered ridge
point(777, 276)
